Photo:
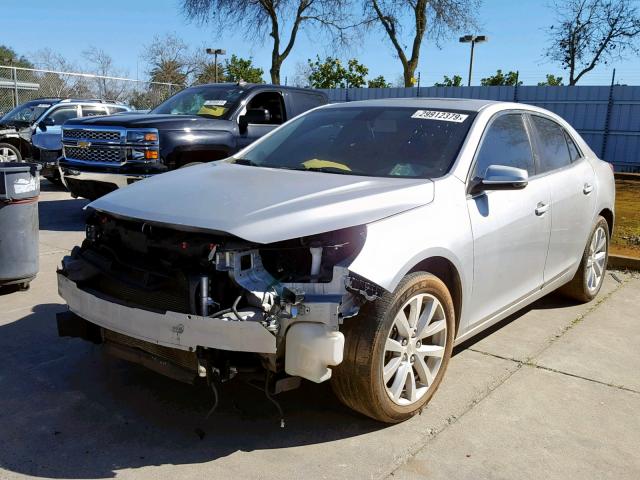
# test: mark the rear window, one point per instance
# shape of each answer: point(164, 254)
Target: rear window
point(371, 141)
point(554, 151)
point(113, 110)
point(306, 101)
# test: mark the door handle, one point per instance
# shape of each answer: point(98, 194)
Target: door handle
point(542, 208)
point(587, 189)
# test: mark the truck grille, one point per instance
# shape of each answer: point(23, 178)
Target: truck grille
point(106, 155)
point(75, 133)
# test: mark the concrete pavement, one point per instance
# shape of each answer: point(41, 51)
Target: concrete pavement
point(552, 392)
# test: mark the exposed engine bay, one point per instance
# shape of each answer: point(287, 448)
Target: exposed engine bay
point(194, 304)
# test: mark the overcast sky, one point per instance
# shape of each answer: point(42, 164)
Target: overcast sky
point(122, 28)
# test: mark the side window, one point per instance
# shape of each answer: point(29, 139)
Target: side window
point(271, 101)
point(62, 114)
point(305, 101)
point(505, 143)
point(554, 152)
point(574, 153)
point(90, 111)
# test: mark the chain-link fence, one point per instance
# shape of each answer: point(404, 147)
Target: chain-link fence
point(19, 85)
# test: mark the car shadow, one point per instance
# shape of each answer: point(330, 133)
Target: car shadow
point(68, 411)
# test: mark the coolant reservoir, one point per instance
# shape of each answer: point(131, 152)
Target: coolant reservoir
point(311, 349)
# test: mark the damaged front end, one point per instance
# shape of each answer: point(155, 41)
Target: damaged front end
point(193, 304)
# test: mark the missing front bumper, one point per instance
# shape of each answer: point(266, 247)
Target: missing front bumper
point(169, 329)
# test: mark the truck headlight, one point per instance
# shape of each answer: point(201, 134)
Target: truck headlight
point(134, 136)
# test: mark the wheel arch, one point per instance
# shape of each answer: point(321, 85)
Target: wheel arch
point(15, 142)
point(445, 270)
point(608, 216)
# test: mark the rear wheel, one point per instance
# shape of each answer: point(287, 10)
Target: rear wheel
point(587, 281)
point(397, 350)
point(9, 153)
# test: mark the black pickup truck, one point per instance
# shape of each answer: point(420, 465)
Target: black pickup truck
point(199, 124)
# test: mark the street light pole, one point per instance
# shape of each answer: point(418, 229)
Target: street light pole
point(215, 52)
point(472, 39)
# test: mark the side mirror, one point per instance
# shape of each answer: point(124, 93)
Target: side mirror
point(501, 177)
point(46, 122)
point(254, 115)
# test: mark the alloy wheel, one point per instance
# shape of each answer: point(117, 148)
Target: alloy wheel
point(8, 155)
point(596, 259)
point(414, 349)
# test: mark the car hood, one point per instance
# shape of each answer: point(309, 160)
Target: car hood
point(150, 120)
point(264, 205)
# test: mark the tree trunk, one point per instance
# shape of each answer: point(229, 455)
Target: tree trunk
point(275, 72)
point(409, 73)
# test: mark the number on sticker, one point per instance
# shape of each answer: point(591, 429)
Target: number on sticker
point(438, 115)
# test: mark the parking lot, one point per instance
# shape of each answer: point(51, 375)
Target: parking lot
point(552, 392)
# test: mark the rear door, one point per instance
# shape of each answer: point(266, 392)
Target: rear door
point(510, 227)
point(571, 180)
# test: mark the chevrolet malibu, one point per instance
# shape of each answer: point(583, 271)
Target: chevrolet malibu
point(357, 243)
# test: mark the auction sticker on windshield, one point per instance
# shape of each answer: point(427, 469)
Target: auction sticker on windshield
point(437, 115)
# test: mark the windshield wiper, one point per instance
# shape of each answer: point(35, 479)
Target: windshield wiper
point(341, 171)
point(245, 161)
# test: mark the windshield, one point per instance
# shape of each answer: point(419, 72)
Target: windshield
point(206, 101)
point(371, 141)
point(26, 113)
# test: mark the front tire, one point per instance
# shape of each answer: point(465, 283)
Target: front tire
point(397, 350)
point(9, 153)
point(588, 280)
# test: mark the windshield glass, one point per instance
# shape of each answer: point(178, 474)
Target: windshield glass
point(371, 141)
point(206, 101)
point(26, 113)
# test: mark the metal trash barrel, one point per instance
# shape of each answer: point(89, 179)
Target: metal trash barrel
point(19, 252)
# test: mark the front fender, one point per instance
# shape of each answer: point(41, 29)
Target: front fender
point(172, 142)
point(396, 244)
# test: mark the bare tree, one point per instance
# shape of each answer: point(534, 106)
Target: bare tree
point(54, 82)
point(282, 20)
point(432, 18)
point(588, 32)
point(102, 65)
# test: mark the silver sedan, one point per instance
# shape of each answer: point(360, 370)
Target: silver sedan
point(364, 241)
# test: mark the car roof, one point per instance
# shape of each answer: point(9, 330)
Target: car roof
point(468, 104)
point(56, 100)
point(254, 86)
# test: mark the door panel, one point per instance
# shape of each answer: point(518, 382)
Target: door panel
point(510, 246)
point(510, 227)
point(51, 138)
point(572, 207)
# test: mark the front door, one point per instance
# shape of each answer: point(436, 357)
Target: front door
point(274, 103)
point(49, 138)
point(510, 227)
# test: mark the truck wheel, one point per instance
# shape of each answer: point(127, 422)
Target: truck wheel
point(9, 153)
point(397, 350)
point(586, 283)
